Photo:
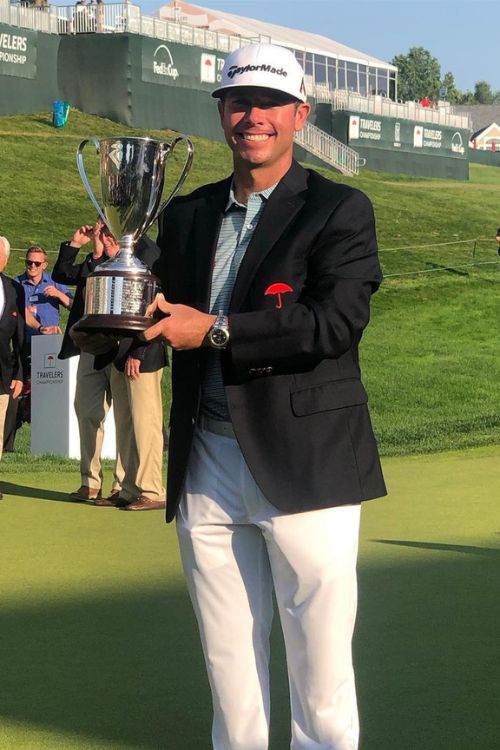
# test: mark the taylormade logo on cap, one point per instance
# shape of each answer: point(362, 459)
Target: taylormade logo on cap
point(234, 70)
point(263, 66)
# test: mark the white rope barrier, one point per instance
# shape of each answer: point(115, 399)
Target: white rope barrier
point(436, 244)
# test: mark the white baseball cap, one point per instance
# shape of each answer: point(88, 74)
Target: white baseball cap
point(266, 66)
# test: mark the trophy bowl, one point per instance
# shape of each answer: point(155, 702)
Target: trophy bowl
point(132, 173)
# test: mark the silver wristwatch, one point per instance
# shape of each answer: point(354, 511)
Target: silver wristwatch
point(218, 335)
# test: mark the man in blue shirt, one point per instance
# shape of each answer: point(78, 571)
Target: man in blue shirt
point(43, 299)
point(43, 296)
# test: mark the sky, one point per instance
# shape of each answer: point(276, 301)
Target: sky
point(462, 35)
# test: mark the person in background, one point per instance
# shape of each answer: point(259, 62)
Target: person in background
point(129, 375)
point(43, 300)
point(44, 297)
point(267, 279)
point(11, 337)
point(94, 389)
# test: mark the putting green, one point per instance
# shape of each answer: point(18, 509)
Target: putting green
point(99, 647)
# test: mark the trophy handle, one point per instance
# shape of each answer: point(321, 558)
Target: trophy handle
point(81, 170)
point(185, 169)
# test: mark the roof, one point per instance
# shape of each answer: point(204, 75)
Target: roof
point(482, 115)
point(215, 20)
point(483, 132)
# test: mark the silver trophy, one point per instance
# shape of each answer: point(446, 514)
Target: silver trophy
point(119, 291)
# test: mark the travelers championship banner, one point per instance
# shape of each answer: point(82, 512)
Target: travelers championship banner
point(405, 135)
point(18, 50)
point(170, 64)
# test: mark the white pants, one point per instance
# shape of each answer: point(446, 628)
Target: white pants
point(236, 547)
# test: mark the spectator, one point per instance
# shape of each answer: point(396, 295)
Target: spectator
point(43, 299)
point(93, 389)
point(132, 383)
point(43, 296)
point(11, 337)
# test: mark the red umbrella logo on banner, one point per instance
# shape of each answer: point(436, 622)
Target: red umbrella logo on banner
point(278, 288)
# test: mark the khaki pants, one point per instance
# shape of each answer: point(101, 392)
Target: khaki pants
point(144, 397)
point(4, 402)
point(94, 391)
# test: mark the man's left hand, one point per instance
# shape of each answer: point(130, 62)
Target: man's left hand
point(183, 328)
point(133, 368)
point(49, 330)
point(52, 291)
point(16, 387)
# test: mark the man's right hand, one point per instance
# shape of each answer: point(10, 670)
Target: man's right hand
point(82, 236)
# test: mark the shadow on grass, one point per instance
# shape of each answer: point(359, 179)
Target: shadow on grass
point(448, 269)
point(21, 490)
point(461, 548)
point(126, 667)
point(426, 647)
point(123, 668)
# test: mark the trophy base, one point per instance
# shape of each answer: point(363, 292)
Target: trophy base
point(114, 325)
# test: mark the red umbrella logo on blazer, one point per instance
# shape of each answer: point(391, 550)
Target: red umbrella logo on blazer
point(278, 288)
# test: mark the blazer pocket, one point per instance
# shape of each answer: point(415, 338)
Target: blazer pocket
point(336, 394)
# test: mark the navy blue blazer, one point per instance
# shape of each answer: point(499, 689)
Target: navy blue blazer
point(11, 334)
point(291, 373)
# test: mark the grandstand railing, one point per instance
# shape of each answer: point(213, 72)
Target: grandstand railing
point(112, 18)
point(37, 18)
point(385, 107)
point(329, 149)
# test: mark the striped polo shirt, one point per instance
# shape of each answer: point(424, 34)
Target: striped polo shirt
point(236, 231)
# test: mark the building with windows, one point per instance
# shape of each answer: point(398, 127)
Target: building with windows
point(326, 63)
point(160, 71)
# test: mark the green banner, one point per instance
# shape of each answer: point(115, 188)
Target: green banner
point(405, 135)
point(18, 51)
point(168, 63)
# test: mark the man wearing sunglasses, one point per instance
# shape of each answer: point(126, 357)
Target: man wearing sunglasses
point(43, 295)
point(43, 300)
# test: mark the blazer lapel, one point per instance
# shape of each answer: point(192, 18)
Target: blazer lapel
point(282, 206)
point(207, 220)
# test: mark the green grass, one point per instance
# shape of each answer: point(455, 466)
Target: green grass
point(99, 648)
point(430, 354)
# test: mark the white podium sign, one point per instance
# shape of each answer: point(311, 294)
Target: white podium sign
point(54, 427)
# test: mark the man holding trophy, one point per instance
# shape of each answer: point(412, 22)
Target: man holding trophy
point(267, 278)
point(266, 282)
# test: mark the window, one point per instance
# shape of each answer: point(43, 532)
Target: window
point(319, 69)
point(382, 82)
point(342, 75)
point(362, 80)
point(372, 80)
point(332, 73)
point(309, 64)
point(352, 76)
point(299, 56)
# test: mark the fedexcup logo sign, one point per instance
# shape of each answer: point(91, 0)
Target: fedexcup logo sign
point(237, 70)
point(163, 64)
point(457, 145)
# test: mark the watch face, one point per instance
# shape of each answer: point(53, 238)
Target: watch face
point(219, 337)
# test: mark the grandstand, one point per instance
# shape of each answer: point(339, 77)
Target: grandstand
point(160, 70)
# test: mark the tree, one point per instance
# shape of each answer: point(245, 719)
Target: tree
point(483, 93)
point(453, 95)
point(419, 74)
point(467, 97)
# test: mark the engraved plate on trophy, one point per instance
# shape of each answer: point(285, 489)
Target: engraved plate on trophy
point(132, 173)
